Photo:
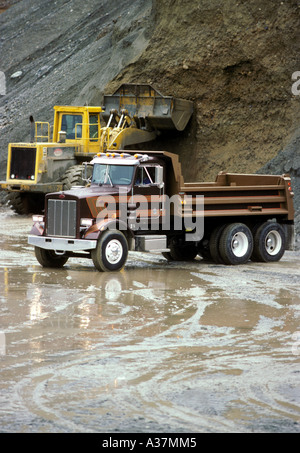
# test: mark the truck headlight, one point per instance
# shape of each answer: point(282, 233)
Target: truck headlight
point(86, 222)
point(38, 218)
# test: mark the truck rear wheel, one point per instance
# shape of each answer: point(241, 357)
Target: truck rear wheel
point(111, 251)
point(185, 251)
point(214, 244)
point(269, 242)
point(48, 258)
point(204, 250)
point(236, 244)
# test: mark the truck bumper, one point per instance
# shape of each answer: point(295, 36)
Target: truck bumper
point(61, 244)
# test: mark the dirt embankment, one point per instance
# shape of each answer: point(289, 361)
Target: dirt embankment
point(234, 60)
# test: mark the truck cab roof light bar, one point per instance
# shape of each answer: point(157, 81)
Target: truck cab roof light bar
point(140, 157)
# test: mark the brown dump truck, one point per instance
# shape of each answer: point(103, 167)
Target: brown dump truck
point(138, 201)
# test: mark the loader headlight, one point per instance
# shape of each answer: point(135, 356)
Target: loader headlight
point(86, 222)
point(12, 176)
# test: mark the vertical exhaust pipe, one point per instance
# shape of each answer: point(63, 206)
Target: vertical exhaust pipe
point(32, 131)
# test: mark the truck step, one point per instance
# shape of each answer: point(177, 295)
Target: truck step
point(151, 243)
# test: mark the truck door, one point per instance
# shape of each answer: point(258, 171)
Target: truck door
point(148, 191)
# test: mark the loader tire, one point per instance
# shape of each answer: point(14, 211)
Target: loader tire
point(25, 203)
point(73, 177)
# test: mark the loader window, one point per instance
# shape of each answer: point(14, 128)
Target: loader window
point(94, 127)
point(112, 174)
point(72, 125)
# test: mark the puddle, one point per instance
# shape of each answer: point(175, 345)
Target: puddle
point(158, 347)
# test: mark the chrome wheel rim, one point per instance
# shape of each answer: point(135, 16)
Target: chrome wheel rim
point(114, 251)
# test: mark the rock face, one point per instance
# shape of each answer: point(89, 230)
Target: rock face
point(235, 60)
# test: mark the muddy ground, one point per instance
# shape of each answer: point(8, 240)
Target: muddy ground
point(234, 61)
point(158, 347)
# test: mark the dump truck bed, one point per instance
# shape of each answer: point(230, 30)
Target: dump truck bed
point(143, 102)
point(231, 194)
point(245, 195)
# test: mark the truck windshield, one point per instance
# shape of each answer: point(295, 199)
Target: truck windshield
point(112, 174)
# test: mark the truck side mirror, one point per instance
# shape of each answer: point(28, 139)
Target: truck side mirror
point(159, 176)
point(86, 172)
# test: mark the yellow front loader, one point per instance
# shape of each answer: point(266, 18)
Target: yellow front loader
point(52, 162)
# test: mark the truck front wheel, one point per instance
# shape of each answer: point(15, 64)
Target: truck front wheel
point(48, 258)
point(236, 244)
point(269, 242)
point(111, 251)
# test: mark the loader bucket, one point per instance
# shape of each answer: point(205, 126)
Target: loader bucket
point(144, 103)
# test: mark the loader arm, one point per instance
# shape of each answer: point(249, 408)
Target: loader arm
point(119, 139)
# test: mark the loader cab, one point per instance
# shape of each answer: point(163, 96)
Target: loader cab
point(78, 126)
point(71, 124)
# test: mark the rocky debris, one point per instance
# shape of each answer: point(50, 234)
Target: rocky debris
point(3, 198)
point(16, 75)
point(67, 52)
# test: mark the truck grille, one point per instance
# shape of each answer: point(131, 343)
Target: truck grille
point(61, 218)
point(22, 165)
